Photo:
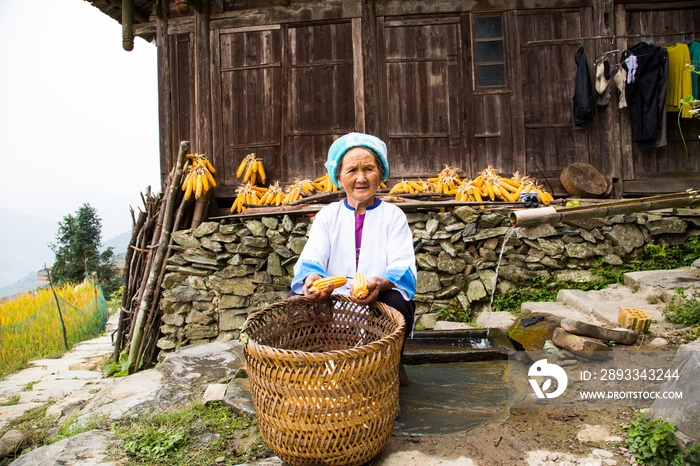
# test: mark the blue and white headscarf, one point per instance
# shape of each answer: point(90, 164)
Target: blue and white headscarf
point(347, 142)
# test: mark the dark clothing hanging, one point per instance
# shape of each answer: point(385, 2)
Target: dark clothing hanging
point(584, 103)
point(644, 92)
point(660, 140)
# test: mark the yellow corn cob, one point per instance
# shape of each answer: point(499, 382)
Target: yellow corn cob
point(359, 286)
point(261, 172)
point(321, 283)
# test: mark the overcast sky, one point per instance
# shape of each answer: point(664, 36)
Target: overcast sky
point(79, 116)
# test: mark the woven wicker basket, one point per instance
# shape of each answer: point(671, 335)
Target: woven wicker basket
point(324, 378)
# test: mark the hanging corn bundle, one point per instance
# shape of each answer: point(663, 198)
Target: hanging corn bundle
point(200, 176)
point(252, 169)
point(490, 185)
point(447, 181)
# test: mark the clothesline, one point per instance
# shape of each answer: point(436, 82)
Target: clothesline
point(613, 37)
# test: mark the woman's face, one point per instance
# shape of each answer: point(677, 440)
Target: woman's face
point(359, 175)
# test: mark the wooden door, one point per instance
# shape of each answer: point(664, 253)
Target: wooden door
point(548, 71)
point(319, 103)
point(283, 92)
point(420, 86)
point(248, 90)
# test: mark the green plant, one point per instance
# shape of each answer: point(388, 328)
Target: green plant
point(691, 334)
point(14, 400)
point(683, 310)
point(196, 435)
point(419, 326)
point(692, 454)
point(652, 443)
point(541, 290)
point(30, 386)
point(118, 369)
point(115, 299)
point(454, 312)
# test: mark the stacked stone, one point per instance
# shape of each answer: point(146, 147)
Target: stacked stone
point(219, 273)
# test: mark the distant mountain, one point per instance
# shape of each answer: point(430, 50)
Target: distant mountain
point(24, 249)
point(119, 243)
point(28, 283)
point(24, 246)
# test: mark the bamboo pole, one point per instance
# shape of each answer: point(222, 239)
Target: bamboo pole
point(58, 306)
point(533, 217)
point(164, 238)
point(126, 291)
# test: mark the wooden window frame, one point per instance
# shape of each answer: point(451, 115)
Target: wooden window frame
point(476, 63)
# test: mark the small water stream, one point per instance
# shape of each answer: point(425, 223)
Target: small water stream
point(506, 237)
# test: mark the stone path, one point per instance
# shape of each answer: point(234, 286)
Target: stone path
point(68, 379)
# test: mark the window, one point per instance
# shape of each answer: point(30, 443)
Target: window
point(488, 51)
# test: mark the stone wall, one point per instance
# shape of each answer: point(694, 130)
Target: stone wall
point(219, 273)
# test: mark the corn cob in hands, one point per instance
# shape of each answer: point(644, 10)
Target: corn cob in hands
point(359, 286)
point(321, 284)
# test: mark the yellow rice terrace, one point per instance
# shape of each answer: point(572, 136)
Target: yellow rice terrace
point(30, 324)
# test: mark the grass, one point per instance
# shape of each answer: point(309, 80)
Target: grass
point(683, 309)
point(30, 324)
point(14, 400)
point(197, 435)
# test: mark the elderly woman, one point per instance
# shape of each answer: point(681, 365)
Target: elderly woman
point(361, 233)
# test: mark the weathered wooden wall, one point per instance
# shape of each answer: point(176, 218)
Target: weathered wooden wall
point(284, 82)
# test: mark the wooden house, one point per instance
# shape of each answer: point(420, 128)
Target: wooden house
point(468, 83)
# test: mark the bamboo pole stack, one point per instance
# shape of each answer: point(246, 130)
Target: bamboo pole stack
point(138, 329)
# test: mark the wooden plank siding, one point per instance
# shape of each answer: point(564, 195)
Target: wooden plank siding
point(421, 105)
point(665, 169)
point(285, 82)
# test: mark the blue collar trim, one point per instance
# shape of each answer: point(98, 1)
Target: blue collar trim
point(377, 201)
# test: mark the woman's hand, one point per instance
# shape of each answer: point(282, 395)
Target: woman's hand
point(320, 295)
point(374, 285)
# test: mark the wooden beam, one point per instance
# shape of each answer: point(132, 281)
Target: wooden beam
point(165, 126)
point(328, 10)
point(358, 75)
point(412, 7)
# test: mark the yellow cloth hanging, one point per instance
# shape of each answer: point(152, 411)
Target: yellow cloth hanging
point(679, 80)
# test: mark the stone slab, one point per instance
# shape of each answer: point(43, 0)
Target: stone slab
point(606, 306)
point(559, 310)
point(59, 388)
point(86, 449)
point(621, 335)
point(667, 279)
point(446, 325)
point(501, 320)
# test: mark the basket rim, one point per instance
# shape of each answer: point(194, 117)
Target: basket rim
point(334, 354)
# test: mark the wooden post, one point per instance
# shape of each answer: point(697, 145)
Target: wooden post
point(158, 261)
point(128, 25)
point(202, 102)
point(165, 117)
point(58, 306)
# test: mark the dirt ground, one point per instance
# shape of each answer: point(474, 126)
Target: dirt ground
point(553, 430)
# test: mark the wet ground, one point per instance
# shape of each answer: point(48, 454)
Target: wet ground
point(453, 398)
